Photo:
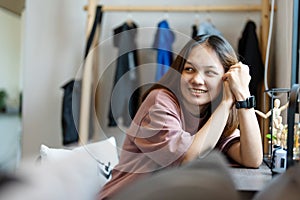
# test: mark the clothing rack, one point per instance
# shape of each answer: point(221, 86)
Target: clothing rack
point(180, 8)
point(87, 79)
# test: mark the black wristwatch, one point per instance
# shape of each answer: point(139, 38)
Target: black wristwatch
point(248, 103)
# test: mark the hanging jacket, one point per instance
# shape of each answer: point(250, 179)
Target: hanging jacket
point(207, 27)
point(194, 30)
point(70, 111)
point(249, 53)
point(125, 99)
point(163, 42)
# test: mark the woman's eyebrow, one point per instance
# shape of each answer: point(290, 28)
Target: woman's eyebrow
point(189, 62)
point(207, 66)
point(211, 67)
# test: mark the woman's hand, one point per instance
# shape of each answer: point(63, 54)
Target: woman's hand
point(238, 78)
point(248, 151)
point(228, 96)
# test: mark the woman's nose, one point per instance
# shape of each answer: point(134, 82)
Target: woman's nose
point(198, 78)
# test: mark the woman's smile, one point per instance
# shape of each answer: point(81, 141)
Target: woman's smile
point(197, 92)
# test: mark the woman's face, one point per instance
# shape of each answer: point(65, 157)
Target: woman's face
point(201, 80)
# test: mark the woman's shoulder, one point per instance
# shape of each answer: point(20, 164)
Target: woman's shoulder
point(161, 91)
point(158, 101)
point(162, 96)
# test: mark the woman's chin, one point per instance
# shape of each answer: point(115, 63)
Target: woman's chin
point(199, 102)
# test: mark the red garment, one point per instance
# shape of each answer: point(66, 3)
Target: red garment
point(158, 137)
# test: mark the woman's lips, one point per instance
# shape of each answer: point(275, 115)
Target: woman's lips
point(197, 91)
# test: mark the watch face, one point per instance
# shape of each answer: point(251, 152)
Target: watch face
point(251, 102)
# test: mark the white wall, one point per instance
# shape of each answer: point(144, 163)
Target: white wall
point(10, 48)
point(54, 44)
point(53, 49)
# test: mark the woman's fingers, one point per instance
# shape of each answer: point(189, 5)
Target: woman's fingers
point(238, 72)
point(239, 67)
point(238, 78)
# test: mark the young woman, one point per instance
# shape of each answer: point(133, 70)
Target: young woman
point(189, 112)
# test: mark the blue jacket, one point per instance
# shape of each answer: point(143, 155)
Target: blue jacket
point(163, 41)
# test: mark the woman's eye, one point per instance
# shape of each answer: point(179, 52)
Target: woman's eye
point(188, 69)
point(210, 72)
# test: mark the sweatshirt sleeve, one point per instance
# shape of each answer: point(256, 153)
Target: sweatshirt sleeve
point(161, 136)
point(225, 142)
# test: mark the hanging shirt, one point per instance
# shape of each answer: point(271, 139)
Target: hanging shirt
point(162, 132)
point(163, 42)
point(249, 53)
point(208, 28)
point(126, 101)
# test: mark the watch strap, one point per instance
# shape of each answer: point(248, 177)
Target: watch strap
point(248, 103)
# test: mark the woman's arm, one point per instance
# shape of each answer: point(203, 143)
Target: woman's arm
point(207, 137)
point(248, 151)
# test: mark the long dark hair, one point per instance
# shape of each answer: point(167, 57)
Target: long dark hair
point(225, 52)
point(227, 57)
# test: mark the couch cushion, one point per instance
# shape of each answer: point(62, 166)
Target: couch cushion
point(65, 173)
point(104, 151)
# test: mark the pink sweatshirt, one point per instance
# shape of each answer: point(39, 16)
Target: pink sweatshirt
point(158, 137)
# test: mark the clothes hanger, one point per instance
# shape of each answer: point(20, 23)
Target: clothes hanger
point(166, 15)
point(129, 20)
point(248, 16)
point(208, 18)
point(197, 19)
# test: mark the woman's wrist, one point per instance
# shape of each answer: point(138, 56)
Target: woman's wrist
point(227, 104)
point(242, 96)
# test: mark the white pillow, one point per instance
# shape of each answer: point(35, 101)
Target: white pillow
point(51, 154)
point(64, 174)
point(77, 171)
point(105, 151)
